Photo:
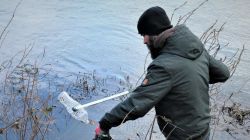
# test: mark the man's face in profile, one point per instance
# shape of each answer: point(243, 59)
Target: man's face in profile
point(148, 40)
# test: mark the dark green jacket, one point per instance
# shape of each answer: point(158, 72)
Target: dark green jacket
point(177, 84)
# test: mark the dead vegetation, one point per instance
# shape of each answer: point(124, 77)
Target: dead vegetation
point(239, 116)
point(27, 112)
point(28, 104)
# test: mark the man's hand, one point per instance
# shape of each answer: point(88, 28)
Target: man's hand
point(101, 135)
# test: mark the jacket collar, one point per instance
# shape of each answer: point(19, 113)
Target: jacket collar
point(179, 41)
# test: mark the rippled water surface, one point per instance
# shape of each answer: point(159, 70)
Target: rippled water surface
point(83, 36)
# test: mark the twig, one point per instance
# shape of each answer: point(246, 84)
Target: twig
point(3, 39)
point(10, 125)
point(210, 28)
point(150, 129)
point(238, 61)
point(13, 15)
point(144, 69)
point(177, 9)
point(189, 14)
point(127, 115)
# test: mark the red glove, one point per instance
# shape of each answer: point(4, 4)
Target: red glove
point(98, 130)
point(101, 135)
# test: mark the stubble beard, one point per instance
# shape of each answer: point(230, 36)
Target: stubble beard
point(154, 52)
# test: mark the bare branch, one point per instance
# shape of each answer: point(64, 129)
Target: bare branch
point(13, 15)
point(177, 9)
point(189, 14)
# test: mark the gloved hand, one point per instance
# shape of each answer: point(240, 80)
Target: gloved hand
point(101, 135)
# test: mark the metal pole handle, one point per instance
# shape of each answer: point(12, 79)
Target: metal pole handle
point(99, 101)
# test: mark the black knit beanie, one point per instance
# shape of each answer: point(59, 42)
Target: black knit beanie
point(153, 21)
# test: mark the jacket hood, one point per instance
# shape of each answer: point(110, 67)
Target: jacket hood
point(179, 41)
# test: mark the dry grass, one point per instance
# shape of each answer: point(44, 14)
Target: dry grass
point(25, 112)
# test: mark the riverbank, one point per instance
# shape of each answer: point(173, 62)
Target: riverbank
point(92, 50)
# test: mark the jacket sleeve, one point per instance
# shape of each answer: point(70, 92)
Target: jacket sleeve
point(156, 85)
point(218, 72)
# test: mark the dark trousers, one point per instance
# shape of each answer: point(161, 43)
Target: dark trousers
point(172, 132)
point(201, 137)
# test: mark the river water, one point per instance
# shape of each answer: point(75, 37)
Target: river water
point(83, 36)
